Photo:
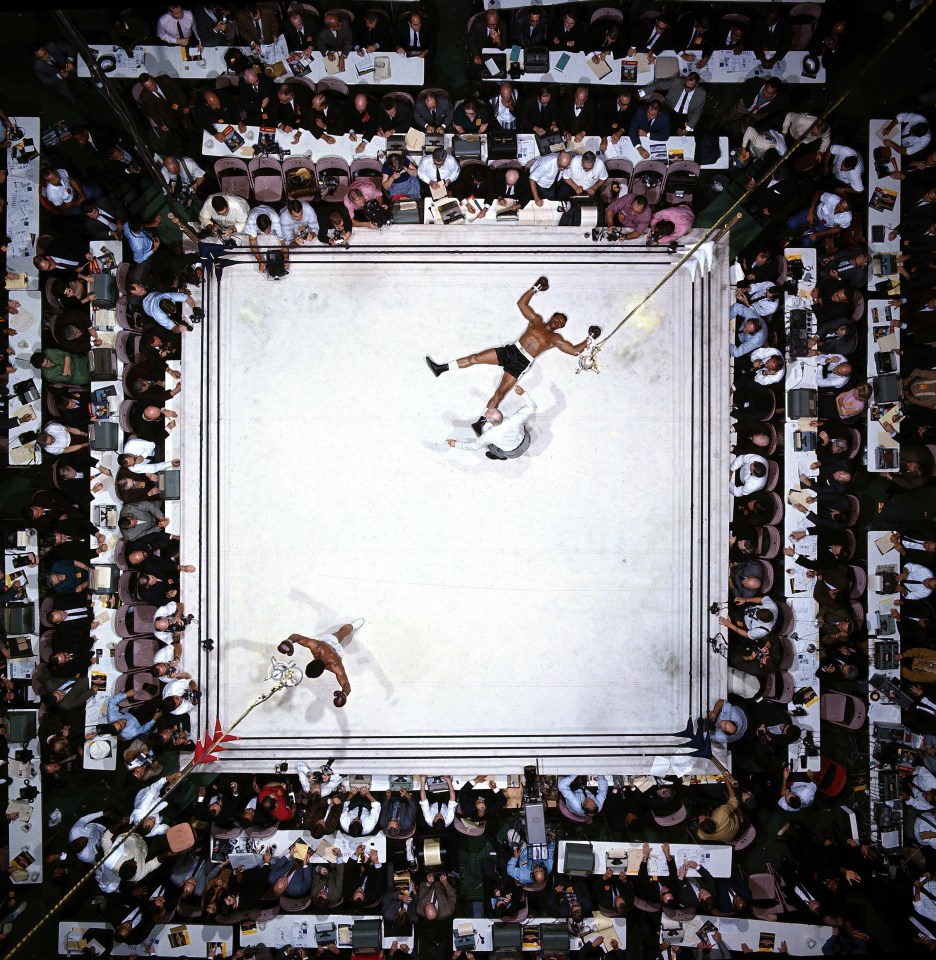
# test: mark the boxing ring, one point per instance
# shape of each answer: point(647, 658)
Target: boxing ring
point(550, 608)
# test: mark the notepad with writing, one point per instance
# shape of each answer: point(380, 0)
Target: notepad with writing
point(414, 141)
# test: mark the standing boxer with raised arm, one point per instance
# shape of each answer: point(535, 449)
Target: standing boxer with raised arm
point(516, 358)
point(326, 655)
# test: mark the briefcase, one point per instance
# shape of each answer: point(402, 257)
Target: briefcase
point(396, 143)
point(579, 859)
point(466, 147)
point(502, 145)
point(887, 389)
point(19, 618)
point(536, 60)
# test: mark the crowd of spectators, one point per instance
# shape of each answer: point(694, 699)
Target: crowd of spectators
point(170, 866)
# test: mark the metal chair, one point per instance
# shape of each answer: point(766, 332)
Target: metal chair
point(850, 546)
point(332, 85)
point(134, 619)
point(843, 710)
point(136, 682)
point(767, 577)
point(306, 191)
point(335, 167)
point(295, 904)
point(266, 179)
point(127, 345)
point(859, 579)
point(505, 164)
point(655, 193)
point(745, 837)
point(783, 269)
point(785, 620)
point(768, 543)
point(233, 177)
point(121, 549)
point(803, 20)
point(46, 646)
point(120, 277)
point(48, 291)
point(682, 182)
point(127, 586)
point(622, 168)
point(779, 687)
point(787, 653)
point(128, 319)
point(773, 475)
point(607, 13)
point(778, 510)
point(123, 415)
point(340, 12)
point(365, 167)
point(765, 889)
point(569, 815)
point(144, 649)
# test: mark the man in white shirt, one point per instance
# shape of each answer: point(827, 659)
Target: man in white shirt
point(915, 134)
point(506, 438)
point(298, 223)
point(812, 130)
point(137, 457)
point(797, 796)
point(756, 143)
point(847, 166)
point(586, 174)
point(833, 371)
point(504, 107)
point(545, 175)
point(438, 815)
point(182, 174)
point(177, 27)
point(748, 474)
point(768, 365)
point(757, 300)
point(827, 215)
point(84, 838)
point(224, 213)
point(357, 819)
point(438, 167)
point(916, 582)
point(264, 234)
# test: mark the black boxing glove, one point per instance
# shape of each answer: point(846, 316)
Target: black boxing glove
point(594, 332)
point(541, 284)
point(340, 698)
point(286, 648)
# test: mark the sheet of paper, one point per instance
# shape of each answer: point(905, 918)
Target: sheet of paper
point(660, 767)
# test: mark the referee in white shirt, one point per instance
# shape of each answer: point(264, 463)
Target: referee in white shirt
point(506, 438)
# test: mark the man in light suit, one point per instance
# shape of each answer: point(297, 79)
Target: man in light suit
point(685, 96)
point(433, 113)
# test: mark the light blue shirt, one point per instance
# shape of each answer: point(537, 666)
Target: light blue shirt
point(575, 799)
point(522, 869)
point(737, 716)
point(749, 341)
point(134, 728)
point(141, 244)
point(151, 306)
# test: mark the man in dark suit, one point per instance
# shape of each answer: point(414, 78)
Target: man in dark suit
point(777, 196)
point(257, 26)
point(615, 115)
point(759, 101)
point(216, 107)
point(529, 29)
point(487, 31)
point(433, 113)
point(335, 36)
point(54, 66)
point(257, 95)
point(771, 33)
point(363, 116)
point(653, 36)
point(164, 103)
point(537, 114)
point(685, 96)
point(474, 181)
point(293, 106)
point(698, 41)
point(414, 36)
point(396, 116)
point(372, 33)
point(568, 32)
point(513, 186)
point(328, 119)
point(651, 121)
point(214, 25)
point(299, 32)
point(577, 116)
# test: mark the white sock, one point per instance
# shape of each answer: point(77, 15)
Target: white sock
point(452, 364)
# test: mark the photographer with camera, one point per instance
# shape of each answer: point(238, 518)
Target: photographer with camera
point(184, 177)
point(264, 234)
point(157, 304)
point(298, 223)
